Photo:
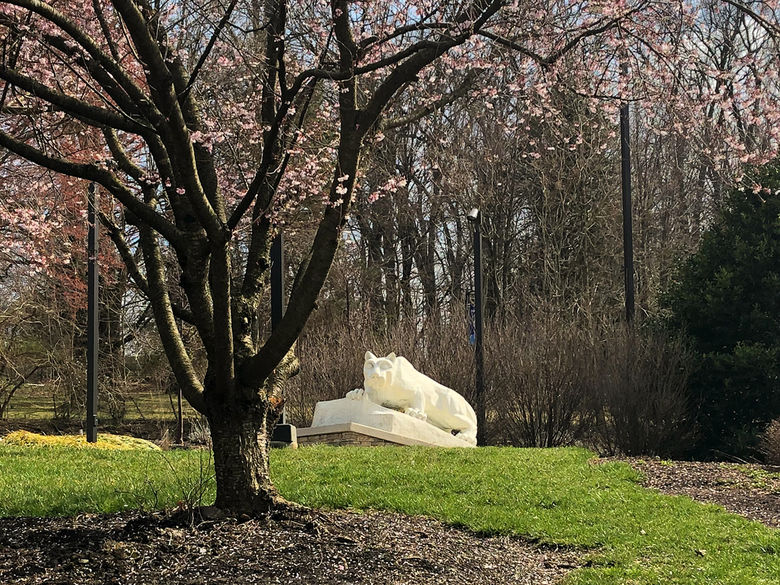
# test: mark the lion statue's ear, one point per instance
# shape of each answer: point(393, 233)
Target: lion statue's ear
point(369, 356)
point(391, 356)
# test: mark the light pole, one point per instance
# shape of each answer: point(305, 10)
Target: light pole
point(277, 280)
point(475, 218)
point(283, 434)
point(625, 188)
point(628, 244)
point(92, 315)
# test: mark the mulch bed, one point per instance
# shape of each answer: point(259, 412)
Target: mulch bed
point(740, 488)
point(317, 548)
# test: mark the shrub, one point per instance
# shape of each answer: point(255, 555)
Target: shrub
point(770, 443)
point(637, 396)
point(548, 382)
point(331, 365)
point(538, 379)
point(725, 297)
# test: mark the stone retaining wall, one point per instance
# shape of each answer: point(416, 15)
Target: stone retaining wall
point(346, 438)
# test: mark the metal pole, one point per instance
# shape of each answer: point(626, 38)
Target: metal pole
point(93, 318)
point(277, 280)
point(625, 184)
point(179, 419)
point(277, 290)
point(628, 244)
point(479, 357)
point(179, 402)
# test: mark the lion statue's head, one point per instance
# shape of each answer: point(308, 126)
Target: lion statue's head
point(377, 371)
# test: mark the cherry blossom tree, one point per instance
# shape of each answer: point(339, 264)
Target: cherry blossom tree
point(211, 124)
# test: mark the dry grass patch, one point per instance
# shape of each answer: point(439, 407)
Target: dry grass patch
point(105, 441)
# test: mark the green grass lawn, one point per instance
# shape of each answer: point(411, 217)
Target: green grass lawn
point(629, 535)
point(57, 481)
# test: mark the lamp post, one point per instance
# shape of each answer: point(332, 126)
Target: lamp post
point(625, 188)
point(283, 434)
point(277, 280)
point(475, 218)
point(92, 315)
point(628, 244)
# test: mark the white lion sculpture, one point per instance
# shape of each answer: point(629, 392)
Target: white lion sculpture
point(392, 382)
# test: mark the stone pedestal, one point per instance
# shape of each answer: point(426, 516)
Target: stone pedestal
point(362, 422)
point(284, 435)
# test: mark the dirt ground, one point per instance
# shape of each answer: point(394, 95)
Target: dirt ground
point(319, 548)
point(750, 490)
point(331, 547)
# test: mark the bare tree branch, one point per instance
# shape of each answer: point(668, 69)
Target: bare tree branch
point(94, 115)
point(118, 238)
point(770, 27)
point(105, 61)
point(435, 105)
point(104, 177)
point(207, 51)
point(555, 56)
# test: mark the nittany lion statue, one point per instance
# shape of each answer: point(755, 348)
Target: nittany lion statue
point(393, 382)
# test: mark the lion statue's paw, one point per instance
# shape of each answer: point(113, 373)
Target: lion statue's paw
point(414, 412)
point(356, 394)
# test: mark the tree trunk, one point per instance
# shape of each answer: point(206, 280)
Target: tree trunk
point(241, 442)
